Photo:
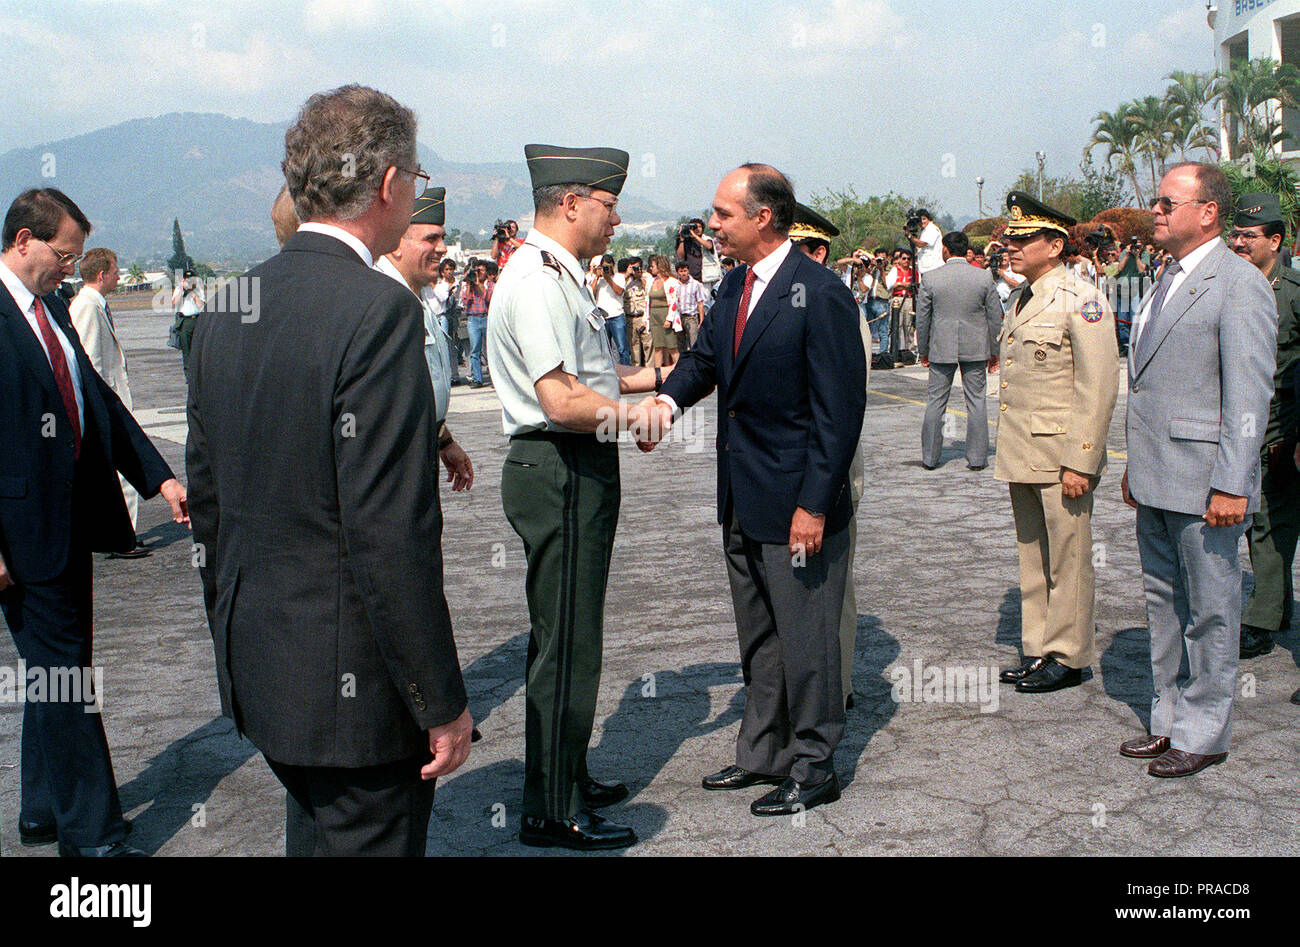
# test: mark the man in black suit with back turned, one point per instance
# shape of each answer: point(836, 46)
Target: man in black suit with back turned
point(783, 347)
point(313, 460)
point(66, 435)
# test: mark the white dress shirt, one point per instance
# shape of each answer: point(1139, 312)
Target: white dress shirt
point(764, 270)
point(1188, 263)
point(27, 306)
point(339, 233)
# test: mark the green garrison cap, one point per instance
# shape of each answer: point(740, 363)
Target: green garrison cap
point(810, 225)
point(603, 168)
point(431, 207)
point(1258, 210)
point(1029, 216)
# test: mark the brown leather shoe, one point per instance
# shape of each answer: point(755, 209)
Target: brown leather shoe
point(1144, 748)
point(1177, 763)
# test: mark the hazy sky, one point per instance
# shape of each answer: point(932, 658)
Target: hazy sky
point(916, 96)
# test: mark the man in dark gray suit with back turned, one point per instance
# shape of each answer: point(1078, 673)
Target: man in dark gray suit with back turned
point(958, 318)
point(1200, 369)
point(313, 464)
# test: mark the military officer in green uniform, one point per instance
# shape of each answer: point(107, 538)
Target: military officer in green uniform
point(1258, 233)
point(559, 382)
point(812, 233)
point(1060, 381)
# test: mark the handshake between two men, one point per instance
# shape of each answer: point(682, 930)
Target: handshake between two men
point(649, 423)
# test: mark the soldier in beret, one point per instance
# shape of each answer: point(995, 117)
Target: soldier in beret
point(559, 381)
point(1058, 391)
point(1257, 235)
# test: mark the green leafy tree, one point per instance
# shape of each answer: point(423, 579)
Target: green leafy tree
point(1155, 133)
point(1187, 98)
point(868, 222)
point(179, 260)
point(1114, 131)
point(1254, 93)
point(1261, 171)
point(1100, 189)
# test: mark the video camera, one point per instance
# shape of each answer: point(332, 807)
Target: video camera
point(500, 232)
point(912, 225)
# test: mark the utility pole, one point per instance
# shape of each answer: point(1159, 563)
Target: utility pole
point(1042, 158)
point(979, 183)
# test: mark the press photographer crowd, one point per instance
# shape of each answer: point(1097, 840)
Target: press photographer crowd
point(320, 552)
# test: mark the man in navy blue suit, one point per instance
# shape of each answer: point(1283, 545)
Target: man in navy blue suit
point(783, 348)
point(66, 435)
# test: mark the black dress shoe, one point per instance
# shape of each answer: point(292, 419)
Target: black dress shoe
point(599, 795)
point(1295, 698)
point(1052, 676)
point(35, 833)
point(139, 552)
point(1255, 641)
point(1027, 667)
point(115, 850)
point(791, 797)
point(733, 777)
point(585, 832)
point(976, 466)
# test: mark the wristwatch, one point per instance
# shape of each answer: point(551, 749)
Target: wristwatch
point(659, 378)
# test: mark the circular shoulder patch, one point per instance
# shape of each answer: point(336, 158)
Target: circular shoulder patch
point(1091, 311)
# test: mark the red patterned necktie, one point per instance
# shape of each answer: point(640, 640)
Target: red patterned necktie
point(742, 314)
point(62, 378)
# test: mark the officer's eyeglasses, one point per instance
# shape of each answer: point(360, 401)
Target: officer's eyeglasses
point(65, 258)
point(1244, 235)
point(1167, 205)
point(610, 206)
point(421, 179)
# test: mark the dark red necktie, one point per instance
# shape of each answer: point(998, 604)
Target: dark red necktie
point(742, 313)
point(62, 378)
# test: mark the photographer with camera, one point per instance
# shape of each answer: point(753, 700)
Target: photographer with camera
point(925, 236)
point(1004, 278)
point(699, 252)
point(1128, 275)
point(868, 284)
point(475, 297)
point(606, 288)
point(505, 240)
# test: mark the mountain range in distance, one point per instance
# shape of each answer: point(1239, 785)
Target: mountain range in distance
point(218, 176)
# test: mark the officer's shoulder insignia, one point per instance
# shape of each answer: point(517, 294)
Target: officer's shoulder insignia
point(1091, 311)
point(549, 260)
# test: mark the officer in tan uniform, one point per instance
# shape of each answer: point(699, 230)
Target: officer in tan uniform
point(1059, 385)
point(812, 233)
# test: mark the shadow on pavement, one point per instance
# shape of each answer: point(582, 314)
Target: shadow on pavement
point(873, 703)
point(181, 777)
point(1126, 671)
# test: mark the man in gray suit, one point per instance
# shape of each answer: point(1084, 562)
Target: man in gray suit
point(958, 318)
point(1200, 370)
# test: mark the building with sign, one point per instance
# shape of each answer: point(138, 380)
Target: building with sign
point(1257, 29)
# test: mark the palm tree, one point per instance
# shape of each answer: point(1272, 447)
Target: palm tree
point(1155, 130)
point(135, 275)
point(1267, 173)
point(1113, 130)
point(1255, 93)
point(1187, 100)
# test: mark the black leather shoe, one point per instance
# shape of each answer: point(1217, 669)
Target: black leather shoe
point(599, 795)
point(1052, 676)
point(115, 850)
point(1295, 698)
point(733, 777)
point(1027, 667)
point(585, 832)
point(791, 797)
point(139, 552)
point(976, 466)
point(1255, 641)
point(34, 833)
